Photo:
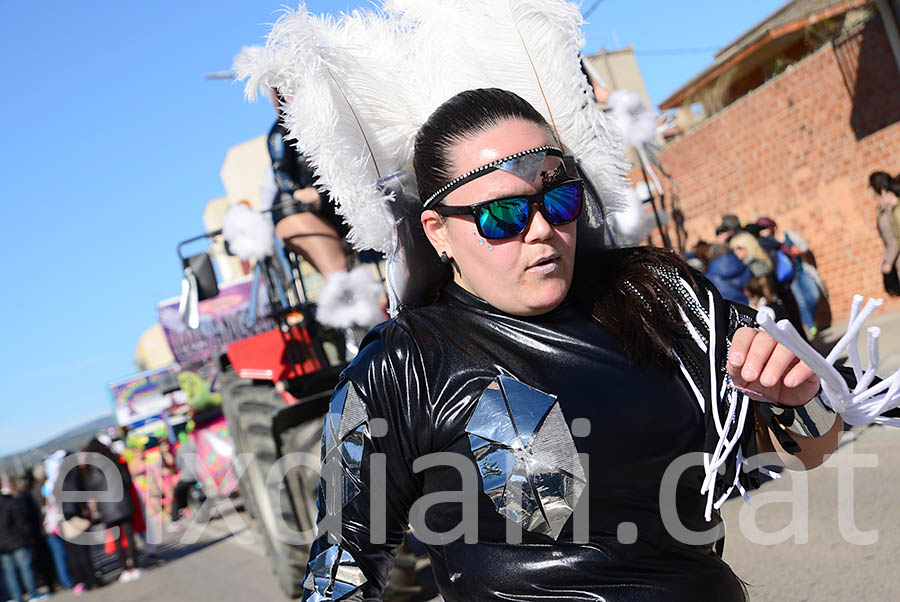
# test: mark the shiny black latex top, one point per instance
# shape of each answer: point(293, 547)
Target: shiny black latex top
point(437, 376)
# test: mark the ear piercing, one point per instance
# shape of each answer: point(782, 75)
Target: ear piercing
point(444, 259)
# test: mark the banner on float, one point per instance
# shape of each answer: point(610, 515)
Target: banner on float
point(223, 320)
point(140, 396)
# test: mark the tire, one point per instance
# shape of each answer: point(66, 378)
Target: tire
point(230, 381)
point(303, 483)
point(253, 406)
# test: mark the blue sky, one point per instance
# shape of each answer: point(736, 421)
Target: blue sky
point(111, 146)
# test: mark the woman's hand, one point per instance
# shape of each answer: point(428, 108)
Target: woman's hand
point(768, 371)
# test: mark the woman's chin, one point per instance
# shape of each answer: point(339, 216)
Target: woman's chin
point(545, 296)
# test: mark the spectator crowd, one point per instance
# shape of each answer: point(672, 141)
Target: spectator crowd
point(757, 265)
point(42, 548)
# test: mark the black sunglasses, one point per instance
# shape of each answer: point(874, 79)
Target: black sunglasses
point(509, 216)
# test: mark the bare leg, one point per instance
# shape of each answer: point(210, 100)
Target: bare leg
point(315, 239)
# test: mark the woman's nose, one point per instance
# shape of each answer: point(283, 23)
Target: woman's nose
point(538, 228)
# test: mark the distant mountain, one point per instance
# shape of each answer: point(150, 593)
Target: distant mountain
point(72, 439)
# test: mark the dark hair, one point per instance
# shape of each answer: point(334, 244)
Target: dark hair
point(95, 446)
point(761, 286)
point(468, 113)
point(881, 180)
point(754, 229)
point(701, 250)
point(617, 287)
point(754, 287)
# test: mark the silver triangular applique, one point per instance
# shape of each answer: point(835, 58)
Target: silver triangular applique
point(526, 167)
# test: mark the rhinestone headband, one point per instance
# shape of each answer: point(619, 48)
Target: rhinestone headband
point(455, 183)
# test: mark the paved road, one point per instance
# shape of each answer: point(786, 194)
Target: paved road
point(819, 563)
point(216, 567)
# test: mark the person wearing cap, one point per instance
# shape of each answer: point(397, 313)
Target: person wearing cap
point(804, 287)
point(729, 226)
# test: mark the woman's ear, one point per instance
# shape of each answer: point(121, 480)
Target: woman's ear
point(436, 231)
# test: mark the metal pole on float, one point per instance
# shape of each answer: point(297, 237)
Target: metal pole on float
point(662, 232)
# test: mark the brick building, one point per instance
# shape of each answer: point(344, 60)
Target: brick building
point(799, 147)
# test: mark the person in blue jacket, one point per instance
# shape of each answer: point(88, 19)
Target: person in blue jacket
point(728, 273)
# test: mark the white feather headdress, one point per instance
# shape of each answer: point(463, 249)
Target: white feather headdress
point(361, 85)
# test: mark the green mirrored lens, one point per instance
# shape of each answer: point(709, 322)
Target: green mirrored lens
point(502, 219)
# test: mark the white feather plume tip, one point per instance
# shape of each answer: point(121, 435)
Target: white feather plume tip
point(259, 66)
point(250, 235)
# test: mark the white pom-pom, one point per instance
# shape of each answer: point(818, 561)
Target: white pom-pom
point(636, 122)
point(350, 299)
point(250, 234)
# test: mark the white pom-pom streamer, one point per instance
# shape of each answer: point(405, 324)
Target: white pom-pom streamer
point(350, 299)
point(250, 234)
point(864, 404)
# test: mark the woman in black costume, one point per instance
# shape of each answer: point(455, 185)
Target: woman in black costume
point(542, 374)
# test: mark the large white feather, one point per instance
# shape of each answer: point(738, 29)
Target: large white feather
point(361, 86)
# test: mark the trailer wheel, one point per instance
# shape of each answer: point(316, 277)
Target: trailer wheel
point(303, 482)
point(254, 406)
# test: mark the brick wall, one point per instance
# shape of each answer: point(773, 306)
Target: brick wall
point(800, 149)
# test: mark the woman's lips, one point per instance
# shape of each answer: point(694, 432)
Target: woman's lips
point(545, 265)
